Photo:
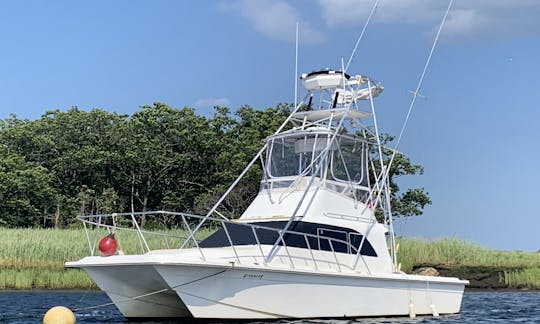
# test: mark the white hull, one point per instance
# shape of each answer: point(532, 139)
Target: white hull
point(124, 282)
point(181, 284)
point(244, 293)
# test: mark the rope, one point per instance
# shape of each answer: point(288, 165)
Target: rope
point(84, 295)
point(150, 293)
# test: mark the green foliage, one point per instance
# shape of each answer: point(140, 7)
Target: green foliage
point(90, 162)
point(169, 157)
point(26, 191)
point(412, 201)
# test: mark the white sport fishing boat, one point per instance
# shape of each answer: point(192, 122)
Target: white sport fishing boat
point(316, 242)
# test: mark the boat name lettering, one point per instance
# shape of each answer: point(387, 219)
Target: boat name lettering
point(252, 276)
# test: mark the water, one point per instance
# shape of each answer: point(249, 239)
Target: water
point(478, 307)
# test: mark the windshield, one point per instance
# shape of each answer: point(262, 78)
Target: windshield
point(296, 155)
point(300, 155)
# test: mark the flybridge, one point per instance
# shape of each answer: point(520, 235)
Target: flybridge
point(319, 146)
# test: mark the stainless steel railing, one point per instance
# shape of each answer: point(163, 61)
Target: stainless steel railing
point(129, 227)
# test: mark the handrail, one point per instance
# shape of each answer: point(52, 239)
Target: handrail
point(337, 183)
point(192, 235)
point(98, 221)
point(230, 241)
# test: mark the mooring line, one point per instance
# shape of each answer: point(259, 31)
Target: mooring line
point(150, 293)
point(84, 295)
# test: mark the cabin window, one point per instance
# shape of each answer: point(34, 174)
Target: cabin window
point(329, 245)
point(240, 234)
point(349, 163)
point(293, 156)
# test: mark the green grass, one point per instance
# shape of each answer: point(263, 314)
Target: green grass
point(36, 278)
point(454, 252)
point(34, 258)
point(523, 279)
point(521, 269)
point(50, 248)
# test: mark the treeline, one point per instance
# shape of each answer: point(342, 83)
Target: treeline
point(77, 162)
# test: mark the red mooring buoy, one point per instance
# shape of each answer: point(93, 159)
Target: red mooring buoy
point(108, 245)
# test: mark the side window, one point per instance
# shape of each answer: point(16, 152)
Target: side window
point(283, 161)
point(349, 163)
point(367, 249)
point(337, 246)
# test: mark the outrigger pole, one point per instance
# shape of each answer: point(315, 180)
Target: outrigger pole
point(384, 179)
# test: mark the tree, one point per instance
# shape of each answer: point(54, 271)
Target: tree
point(169, 157)
point(412, 201)
point(26, 192)
point(77, 149)
point(240, 136)
point(85, 162)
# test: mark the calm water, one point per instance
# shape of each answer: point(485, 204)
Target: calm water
point(478, 307)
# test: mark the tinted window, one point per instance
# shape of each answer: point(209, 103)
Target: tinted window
point(243, 235)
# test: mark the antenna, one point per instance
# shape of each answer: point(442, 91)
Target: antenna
point(296, 68)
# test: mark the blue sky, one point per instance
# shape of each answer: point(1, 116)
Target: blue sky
point(475, 132)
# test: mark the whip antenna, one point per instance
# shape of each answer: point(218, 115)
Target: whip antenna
point(296, 69)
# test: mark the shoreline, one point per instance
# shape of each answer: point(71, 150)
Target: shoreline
point(81, 290)
point(33, 259)
point(499, 290)
point(482, 279)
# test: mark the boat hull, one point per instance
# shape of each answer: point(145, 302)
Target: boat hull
point(138, 291)
point(243, 293)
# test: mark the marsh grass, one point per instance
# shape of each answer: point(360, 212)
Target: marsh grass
point(454, 252)
point(50, 248)
point(34, 258)
point(528, 278)
point(518, 269)
point(37, 278)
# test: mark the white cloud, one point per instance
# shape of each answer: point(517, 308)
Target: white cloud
point(468, 19)
point(467, 22)
point(275, 19)
point(343, 12)
point(209, 103)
